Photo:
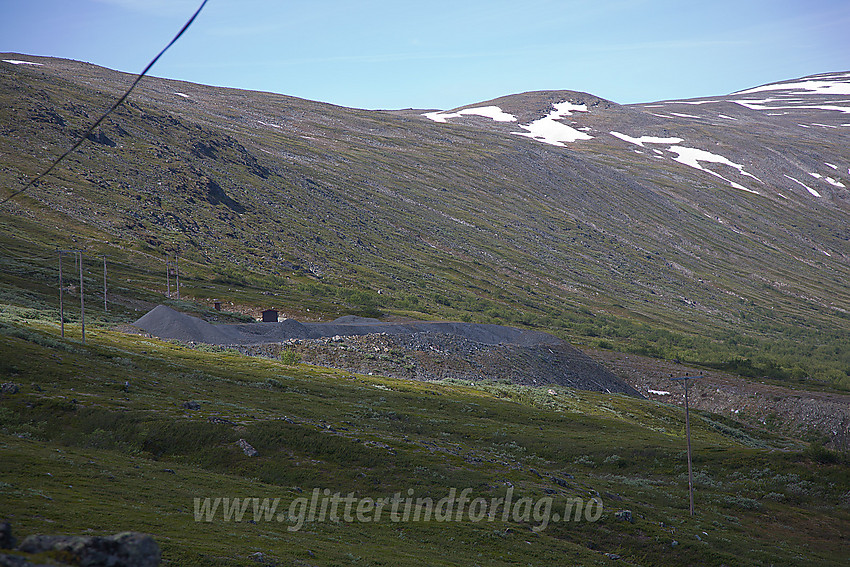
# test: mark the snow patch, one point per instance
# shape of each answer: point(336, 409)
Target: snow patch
point(811, 86)
point(493, 112)
point(809, 189)
point(659, 392)
point(760, 105)
point(184, 95)
point(726, 117)
point(830, 180)
point(697, 102)
point(693, 156)
point(549, 131)
point(682, 115)
point(646, 139)
point(844, 109)
point(18, 62)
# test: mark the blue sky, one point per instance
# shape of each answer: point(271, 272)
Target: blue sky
point(443, 54)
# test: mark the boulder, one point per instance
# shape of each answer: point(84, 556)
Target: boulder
point(247, 448)
point(624, 516)
point(128, 549)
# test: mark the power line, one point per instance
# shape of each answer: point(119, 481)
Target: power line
point(114, 106)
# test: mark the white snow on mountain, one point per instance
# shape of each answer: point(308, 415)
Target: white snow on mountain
point(693, 156)
point(783, 99)
point(827, 87)
point(809, 189)
point(683, 115)
point(796, 95)
point(493, 112)
point(646, 139)
point(763, 104)
point(18, 62)
point(549, 131)
point(830, 180)
point(695, 102)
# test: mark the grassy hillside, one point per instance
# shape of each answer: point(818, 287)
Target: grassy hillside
point(98, 440)
point(387, 212)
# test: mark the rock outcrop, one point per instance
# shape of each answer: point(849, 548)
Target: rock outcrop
point(126, 549)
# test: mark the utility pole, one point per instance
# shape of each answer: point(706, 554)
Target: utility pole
point(685, 379)
point(169, 266)
point(77, 262)
point(105, 306)
point(82, 300)
point(61, 304)
point(167, 276)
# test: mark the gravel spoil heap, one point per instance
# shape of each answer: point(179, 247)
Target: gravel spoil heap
point(427, 350)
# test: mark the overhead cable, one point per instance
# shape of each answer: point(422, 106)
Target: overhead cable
point(108, 112)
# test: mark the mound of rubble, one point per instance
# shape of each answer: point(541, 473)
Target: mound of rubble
point(167, 323)
point(420, 350)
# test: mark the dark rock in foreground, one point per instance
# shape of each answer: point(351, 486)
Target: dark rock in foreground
point(127, 549)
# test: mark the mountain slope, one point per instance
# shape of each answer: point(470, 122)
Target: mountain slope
point(713, 230)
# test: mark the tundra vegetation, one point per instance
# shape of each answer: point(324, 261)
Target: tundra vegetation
point(386, 214)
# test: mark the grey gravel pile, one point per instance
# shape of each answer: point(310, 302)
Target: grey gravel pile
point(167, 323)
point(426, 350)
